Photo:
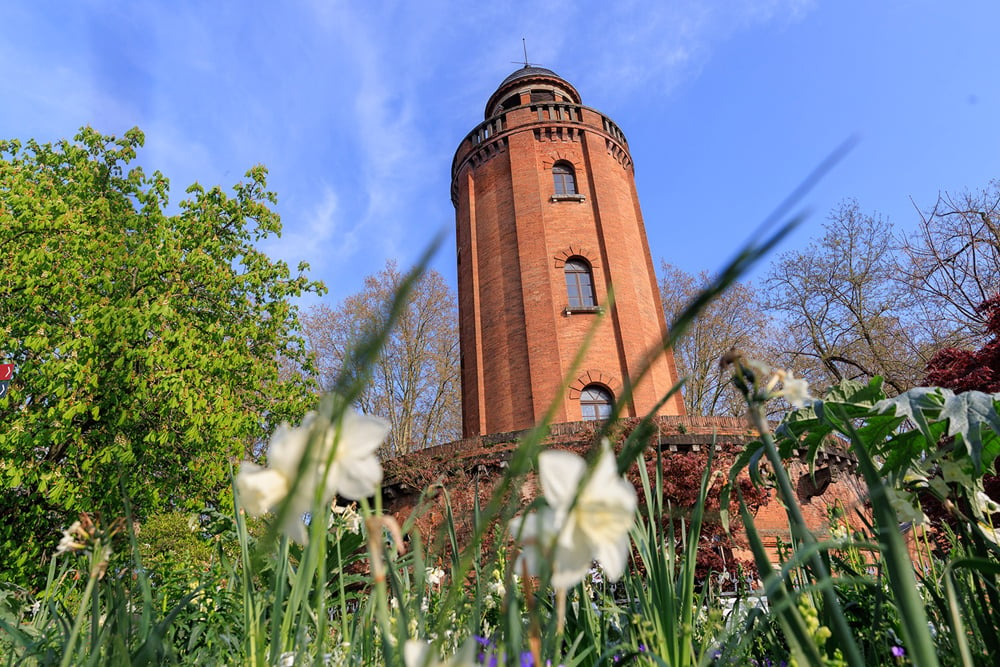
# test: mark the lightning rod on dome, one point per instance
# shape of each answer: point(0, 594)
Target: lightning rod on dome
point(524, 45)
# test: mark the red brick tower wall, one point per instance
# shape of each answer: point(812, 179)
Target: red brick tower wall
point(514, 237)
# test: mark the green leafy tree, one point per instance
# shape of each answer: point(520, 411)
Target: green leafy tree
point(148, 347)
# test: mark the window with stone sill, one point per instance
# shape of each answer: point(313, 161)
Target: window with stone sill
point(579, 286)
point(564, 178)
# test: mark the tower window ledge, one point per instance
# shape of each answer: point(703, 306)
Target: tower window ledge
point(573, 310)
point(556, 198)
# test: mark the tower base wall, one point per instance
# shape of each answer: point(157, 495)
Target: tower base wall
point(471, 468)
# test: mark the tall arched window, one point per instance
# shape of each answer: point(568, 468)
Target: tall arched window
point(579, 283)
point(595, 402)
point(565, 178)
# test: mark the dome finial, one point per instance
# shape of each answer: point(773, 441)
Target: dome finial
point(524, 44)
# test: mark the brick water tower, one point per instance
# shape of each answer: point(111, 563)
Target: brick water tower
point(548, 221)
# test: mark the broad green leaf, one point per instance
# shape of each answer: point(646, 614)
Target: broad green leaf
point(967, 413)
point(918, 405)
point(902, 449)
point(854, 393)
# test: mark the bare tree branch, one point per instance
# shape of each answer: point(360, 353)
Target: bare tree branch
point(415, 382)
point(845, 313)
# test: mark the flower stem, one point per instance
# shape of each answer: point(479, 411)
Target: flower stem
point(802, 535)
point(96, 567)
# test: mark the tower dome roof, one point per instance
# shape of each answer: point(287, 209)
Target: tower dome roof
point(521, 76)
point(526, 71)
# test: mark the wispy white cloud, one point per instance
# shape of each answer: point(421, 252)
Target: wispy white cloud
point(181, 157)
point(650, 48)
point(49, 97)
point(356, 108)
point(320, 237)
point(389, 115)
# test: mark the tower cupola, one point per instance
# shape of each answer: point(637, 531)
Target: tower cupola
point(530, 85)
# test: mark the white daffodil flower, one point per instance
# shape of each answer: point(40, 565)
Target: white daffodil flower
point(354, 472)
point(989, 532)
point(596, 527)
point(497, 588)
point(348, 516)
point(795, 390)
point(906, 510)
point(74, 539)
point(535, 531)
point(434, 575)
point(417, 653)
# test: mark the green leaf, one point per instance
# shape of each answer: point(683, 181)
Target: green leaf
point(854, 393)
point(811, 427)
point(918, 405)
point(967, 413)
point(902, 449)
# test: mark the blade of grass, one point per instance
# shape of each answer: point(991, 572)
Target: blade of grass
point(958, 632)
point(842, 635)
point(896, 557)
point(780, 599)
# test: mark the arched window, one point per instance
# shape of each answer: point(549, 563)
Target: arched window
point(565, 178)
point(595, 402)
point(579, 283)
point(511, 102)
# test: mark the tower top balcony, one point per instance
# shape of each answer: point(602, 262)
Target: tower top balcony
point(535, 99)
point(530, 84)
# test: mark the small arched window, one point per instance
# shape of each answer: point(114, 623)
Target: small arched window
point(565, 178)
point(511, 102)
point(595, 402)
point(579, 283)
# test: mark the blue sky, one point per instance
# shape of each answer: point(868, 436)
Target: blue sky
point(357, 107)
